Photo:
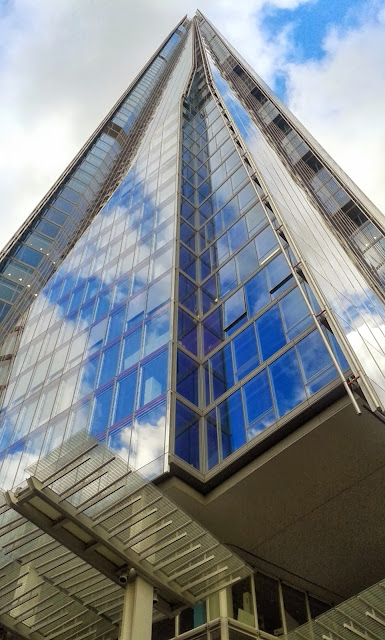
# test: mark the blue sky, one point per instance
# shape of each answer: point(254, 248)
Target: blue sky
point(64, 63)
point(308, 24)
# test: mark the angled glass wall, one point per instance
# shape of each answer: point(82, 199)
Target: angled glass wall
point(353, 301)
point(249, 351)
point(95, 350)
point(34, 254)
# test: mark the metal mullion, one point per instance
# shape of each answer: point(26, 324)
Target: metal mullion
point(98, 519)
point(62, 555)
point(86, 480)
point(81, 564)
point(35, 557)
point(128, 518)
point(11, 582)
point(67, 628)
point(93, 580)
point(203, 552)
point(103, 588)
point(95, 498)
point(91, 624)
point(25, 617)
point(189, 585)
point(44, 622)
point(102, 611)
point(20, 519)
point(145, 529)
point(203, 595)
point(154, 544)
point(64, 467)
point(176, 575)
point(36, 533)
point(25, 593)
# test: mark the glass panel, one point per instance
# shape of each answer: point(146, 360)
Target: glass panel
point(232, 426)
point(270, 332)
point(295, 607)
point(287, 382)
point(125, 396)
point(245, 353)
point(259, 405)
point(316, 363)
point(186, 434)
point(257, 293)
point(268, 609)
point(153, 379)
point(101, 411)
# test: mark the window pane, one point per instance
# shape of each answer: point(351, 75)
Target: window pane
point(234, 308)
point(109, 362)
point(245, 352)
point(153, 379)
point(125, 396)
point(156, 331)
point(101, 411)
point(268, 609)
point(259, 404)
point(230, 414)
point(295, 314)
point(270, 332)
point(257, 293)
point(317, 365)
point(187, 434)
point(287, 383)
point(295, 607)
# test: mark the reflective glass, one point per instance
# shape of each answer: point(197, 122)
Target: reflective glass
point(287, 382)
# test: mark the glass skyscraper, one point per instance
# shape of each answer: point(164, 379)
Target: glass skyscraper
point(200, 283)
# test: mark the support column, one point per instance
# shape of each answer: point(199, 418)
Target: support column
point(137, 611)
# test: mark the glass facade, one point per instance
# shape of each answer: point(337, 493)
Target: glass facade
point(181, 326)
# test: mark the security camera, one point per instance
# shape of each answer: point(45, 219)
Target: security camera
point(155, 597)
point(126, 575)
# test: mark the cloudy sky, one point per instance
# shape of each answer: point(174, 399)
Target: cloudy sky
point(63, 64)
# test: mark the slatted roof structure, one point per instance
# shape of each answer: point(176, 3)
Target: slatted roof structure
point(362, 616)
point(69, 534)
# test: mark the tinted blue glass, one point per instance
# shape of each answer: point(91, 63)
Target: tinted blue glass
point(109, 361)
point(131, 347)
point(258, 403)
point(277, 271)
point(287, 383)
point(245, 352)
point(234, 308)
point(257, 293)
point(156, 331)
point(295, 314)
point(100, 412)
point(246, 261)
point(232, 426)
point(270, 332)
point(153, 379)
point(102, 305)
point(96, 336)
point(227, 278)
point(266, 243)
point(87, 377)
point(237, 235)
point(187, 377)
point(135, 311)
point(221, 372)
point(186, 434)
point(317, 365)
point(115, 324)
point(212, 440)
point(125, 396)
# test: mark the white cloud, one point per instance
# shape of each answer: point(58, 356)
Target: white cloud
point(341, 99)
point(64, 63)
